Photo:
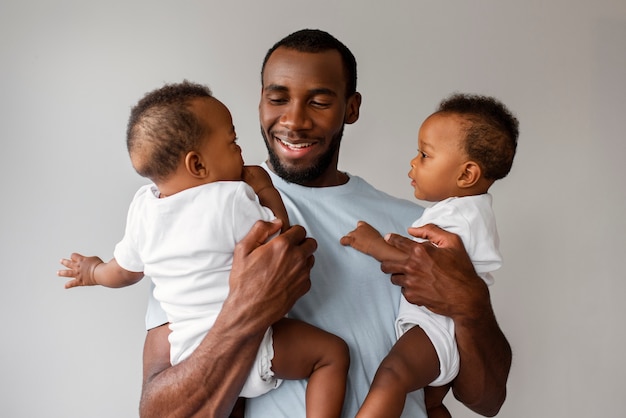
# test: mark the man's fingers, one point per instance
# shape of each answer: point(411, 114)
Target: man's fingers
point(295, 234)
point(402, 243)
point(258, 235)
point(261, 231)
point(435, 235)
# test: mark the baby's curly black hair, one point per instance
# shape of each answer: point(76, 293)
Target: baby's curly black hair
point(162, 128)
point(491, 133)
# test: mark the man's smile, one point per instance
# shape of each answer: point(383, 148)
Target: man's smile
point(290, 144)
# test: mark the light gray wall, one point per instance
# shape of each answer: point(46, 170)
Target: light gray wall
point(71, 70)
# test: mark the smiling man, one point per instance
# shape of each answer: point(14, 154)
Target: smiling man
point(308, 95)
point(305, 103)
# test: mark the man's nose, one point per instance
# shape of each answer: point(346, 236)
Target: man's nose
point(296, 117)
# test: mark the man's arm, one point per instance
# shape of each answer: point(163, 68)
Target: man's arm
point(265, 282)
point(442, 278)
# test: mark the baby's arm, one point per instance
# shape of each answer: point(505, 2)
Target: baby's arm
point(261, 183)
point(369, 241)
point(91, 271)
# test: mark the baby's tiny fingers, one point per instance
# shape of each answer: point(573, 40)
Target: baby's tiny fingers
point(65, 273)
point(72, 283)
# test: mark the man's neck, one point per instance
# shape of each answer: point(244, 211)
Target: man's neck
point(328, 179)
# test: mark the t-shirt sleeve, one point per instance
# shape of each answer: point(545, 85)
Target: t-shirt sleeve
point(447, 217)
point(126, 251)
point(246, 211)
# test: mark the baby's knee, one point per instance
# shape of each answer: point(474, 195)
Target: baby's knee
point(337, 352)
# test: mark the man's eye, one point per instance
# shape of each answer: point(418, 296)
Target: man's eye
point(319, 104)
point(276, 100)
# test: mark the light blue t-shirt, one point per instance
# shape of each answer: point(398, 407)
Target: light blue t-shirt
point(350, 296)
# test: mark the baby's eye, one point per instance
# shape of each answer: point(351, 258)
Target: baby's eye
point(421, 153)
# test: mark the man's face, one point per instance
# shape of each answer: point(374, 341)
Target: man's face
point(302, 111)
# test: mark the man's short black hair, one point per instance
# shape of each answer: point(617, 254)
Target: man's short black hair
point(314, 41)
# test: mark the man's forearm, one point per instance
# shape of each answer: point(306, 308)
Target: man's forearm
point(442, 278)
point(485, 363)
point(207, 383)
point(265, 282)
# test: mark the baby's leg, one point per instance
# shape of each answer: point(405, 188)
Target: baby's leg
point(433, 398)
point(239, 410)
point(411, 364)
point(304, 351)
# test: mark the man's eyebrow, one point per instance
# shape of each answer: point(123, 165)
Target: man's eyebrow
point(324, 91)
point(312, 92)
point(275, 87)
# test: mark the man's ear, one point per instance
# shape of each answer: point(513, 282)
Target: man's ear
point(469, 175)
point(352, 108)
point(195, 165)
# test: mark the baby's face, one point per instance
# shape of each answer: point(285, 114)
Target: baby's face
point(440, 158)
point(219, 149)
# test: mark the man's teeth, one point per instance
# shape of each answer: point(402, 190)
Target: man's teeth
point(295, 146)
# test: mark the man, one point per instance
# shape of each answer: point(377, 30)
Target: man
point(308, 95)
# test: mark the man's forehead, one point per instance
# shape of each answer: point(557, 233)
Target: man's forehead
point(287, 69)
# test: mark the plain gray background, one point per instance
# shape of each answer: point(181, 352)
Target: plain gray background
point(71, 70)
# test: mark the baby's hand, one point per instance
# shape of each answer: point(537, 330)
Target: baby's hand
point(361, 238)
point(256, 177)
point(81, 268)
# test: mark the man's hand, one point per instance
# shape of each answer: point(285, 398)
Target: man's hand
point(266, 279)
point(438, 274)
point(274, 275)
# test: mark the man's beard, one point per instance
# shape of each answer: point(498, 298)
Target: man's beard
point(305, 175)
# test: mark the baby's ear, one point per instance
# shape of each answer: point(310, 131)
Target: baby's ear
point(195, 165)
point(469, 175)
